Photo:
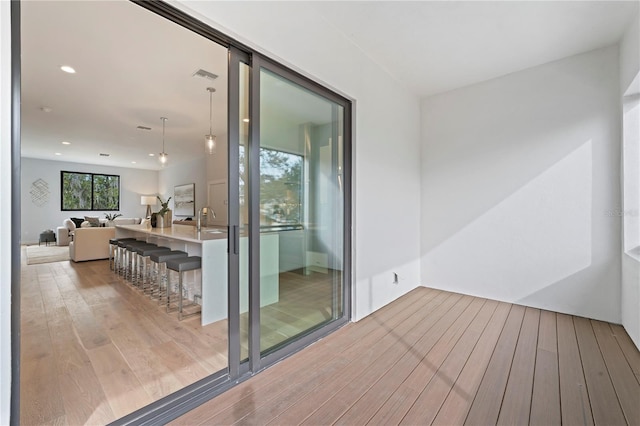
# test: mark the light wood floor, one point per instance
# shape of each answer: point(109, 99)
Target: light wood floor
point(434, 357)
point(93, 349)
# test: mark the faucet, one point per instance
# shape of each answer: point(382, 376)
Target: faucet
point(203, 212)
point(199, 219)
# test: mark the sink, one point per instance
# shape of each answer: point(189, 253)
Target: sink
point(215, 231)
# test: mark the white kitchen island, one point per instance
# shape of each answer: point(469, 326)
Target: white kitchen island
point(211, 245)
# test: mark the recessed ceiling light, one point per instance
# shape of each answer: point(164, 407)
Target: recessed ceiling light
point(151, 155)
point(133, 162)
point(57, 153)
point(66, 143)
point(67, 68)
point(246, 120)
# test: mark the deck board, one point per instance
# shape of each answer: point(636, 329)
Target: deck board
point(485, 408)
point(605, 405)
point(575, 405)
point(456, 407)
point(516, 404)
point(624, 382)
point(545, 402)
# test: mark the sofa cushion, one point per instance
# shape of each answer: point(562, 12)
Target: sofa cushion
point(93, 220)
point(77, 221)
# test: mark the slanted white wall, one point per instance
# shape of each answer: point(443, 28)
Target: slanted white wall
point(35, 218)
point(520, 182)
point(386, 199)
point(630, 54)
point(630, 86)
point(5, 212)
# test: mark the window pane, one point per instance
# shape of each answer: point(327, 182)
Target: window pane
point(88, 191)
point(106, 192)
point(76, 191)
point(280, 188)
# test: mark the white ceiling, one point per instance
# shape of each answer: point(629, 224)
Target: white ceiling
point(134, 67)
point(436, 46)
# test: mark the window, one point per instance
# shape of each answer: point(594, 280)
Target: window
point(631, 174)
point(89, 191)
point(281, 189)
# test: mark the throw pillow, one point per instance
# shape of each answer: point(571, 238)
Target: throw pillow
point(78, 221)
point(69, 224)
point(93, 220)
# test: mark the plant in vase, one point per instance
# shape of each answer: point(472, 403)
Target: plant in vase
point(110, 217)
point(164, 214)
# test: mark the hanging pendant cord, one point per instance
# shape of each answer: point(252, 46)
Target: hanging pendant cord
point(210, 109)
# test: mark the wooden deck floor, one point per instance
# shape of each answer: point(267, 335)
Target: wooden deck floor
point(434, 357)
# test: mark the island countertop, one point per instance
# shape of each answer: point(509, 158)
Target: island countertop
point(211, 245)
point(180, 232)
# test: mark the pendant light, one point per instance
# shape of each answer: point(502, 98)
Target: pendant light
point(210, 139)
point(163, 157)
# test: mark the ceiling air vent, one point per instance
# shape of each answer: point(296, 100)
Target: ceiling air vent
point(143, 128)
point(102, 154)
point(204, 74)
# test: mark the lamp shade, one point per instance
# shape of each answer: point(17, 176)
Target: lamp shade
point(148, 200)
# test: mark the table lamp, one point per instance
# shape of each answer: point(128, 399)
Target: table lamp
point(148, 200)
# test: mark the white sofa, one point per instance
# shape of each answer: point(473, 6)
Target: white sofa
point(91, 243)
point(64, 233)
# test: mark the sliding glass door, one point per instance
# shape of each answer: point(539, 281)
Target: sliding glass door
point(301, 207)
point(288, 211)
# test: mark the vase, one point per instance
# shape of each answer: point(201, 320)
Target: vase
point(163, 221)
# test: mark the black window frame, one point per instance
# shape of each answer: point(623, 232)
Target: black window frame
point(93, 201)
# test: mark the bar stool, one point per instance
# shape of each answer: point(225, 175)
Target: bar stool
point(130, 255)
point(113, 248)
point(143, 253)
point(159, 259)
point(182, 265)
point(134, 260)
point(121, 253)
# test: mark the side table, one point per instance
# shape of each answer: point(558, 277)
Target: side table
point(47, 237)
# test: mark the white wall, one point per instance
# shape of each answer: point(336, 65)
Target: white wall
point(194, 171)
point(630, 86)
point(520, 176)
point(35, 218)
point(5, 212)
point(217, 172)
point(386, 198)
